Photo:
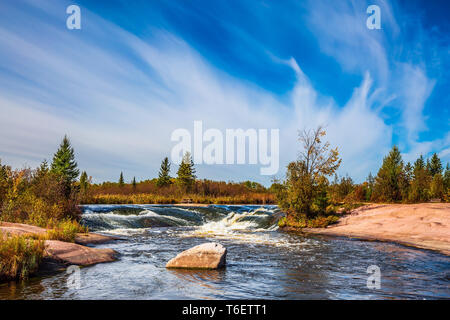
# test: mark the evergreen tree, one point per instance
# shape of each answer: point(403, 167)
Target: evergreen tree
point(186, 172)
point(133, 183)
point(5, 182)
point(421, 182)
point(164, 173)
point(64, 163)
point(419, 164)
point(390, 178)
point(447, 178)
point(435, 166)
point(345, 187)
point(121, 180)
point(41, 172)
point(43, 168)
point(370, 185)
point(322, 200)
point(409, 172)
point(437, 186)
point(84, 183)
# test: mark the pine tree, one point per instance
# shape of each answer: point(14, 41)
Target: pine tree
point(43, 168)
point(84, 182)
point(447, 178)
point(5, 182)
point(133, 183)
point(437, 186)
point(121, 180)
point(409, 172)
point(64, 163)
point(186, 172)
point(435, 166)
point(390, 179)
point(370, 184)
point(41, 172)
point(421, 182)
point(164, 173)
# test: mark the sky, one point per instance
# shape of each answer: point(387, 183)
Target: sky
point(137, 71)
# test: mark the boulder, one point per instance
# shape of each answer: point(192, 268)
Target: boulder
point(93, 238)
point(71, 253)
point(205, 256)
point(20, 229)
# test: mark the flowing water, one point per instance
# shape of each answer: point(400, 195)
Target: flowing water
point(262, 262)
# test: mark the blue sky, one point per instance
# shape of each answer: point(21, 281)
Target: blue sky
point(138, 70)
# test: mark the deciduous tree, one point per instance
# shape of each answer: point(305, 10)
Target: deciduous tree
point(304, 178)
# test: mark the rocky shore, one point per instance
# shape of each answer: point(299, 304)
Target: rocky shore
point(424, 225)
point(59, 253)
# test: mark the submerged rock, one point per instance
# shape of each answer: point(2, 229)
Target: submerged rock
point(205, 256)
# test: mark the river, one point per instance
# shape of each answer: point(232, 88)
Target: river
point(262, 262)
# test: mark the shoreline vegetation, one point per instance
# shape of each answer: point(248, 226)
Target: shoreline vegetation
point(50, 196)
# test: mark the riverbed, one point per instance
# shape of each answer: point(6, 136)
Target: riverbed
point(262, 261)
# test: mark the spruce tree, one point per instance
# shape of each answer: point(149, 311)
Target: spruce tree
point(5, 182)
point(390, 179)
point(186, 172)
point(447, 178)
point(41, 172)
point(164, 173)
point(409, 172)
point(84, 182)
point(419, 164)
point(421, 182)
point(370, 184)
point(121, 181)
point(437, 186)
point(435, 166)
point(64, 163)
point(133, 183)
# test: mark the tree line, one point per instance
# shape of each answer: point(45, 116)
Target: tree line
point(306, 193)
point(44, 196)
point(166, 188)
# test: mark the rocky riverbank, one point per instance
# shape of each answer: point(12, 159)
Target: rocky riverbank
point(424, 225)
point(65, 253)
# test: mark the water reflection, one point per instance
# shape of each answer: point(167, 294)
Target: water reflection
point(211, 280)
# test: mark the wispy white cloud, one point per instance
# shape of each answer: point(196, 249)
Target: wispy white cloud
point(401, 84)
point(120, 99)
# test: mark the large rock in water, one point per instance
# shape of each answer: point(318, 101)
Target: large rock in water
point(205, 256)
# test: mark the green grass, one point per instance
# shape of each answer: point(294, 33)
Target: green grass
point(66, 230)
point(19, 257)
point(317, 222)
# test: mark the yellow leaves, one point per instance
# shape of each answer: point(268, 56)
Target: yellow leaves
point(19, 257)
